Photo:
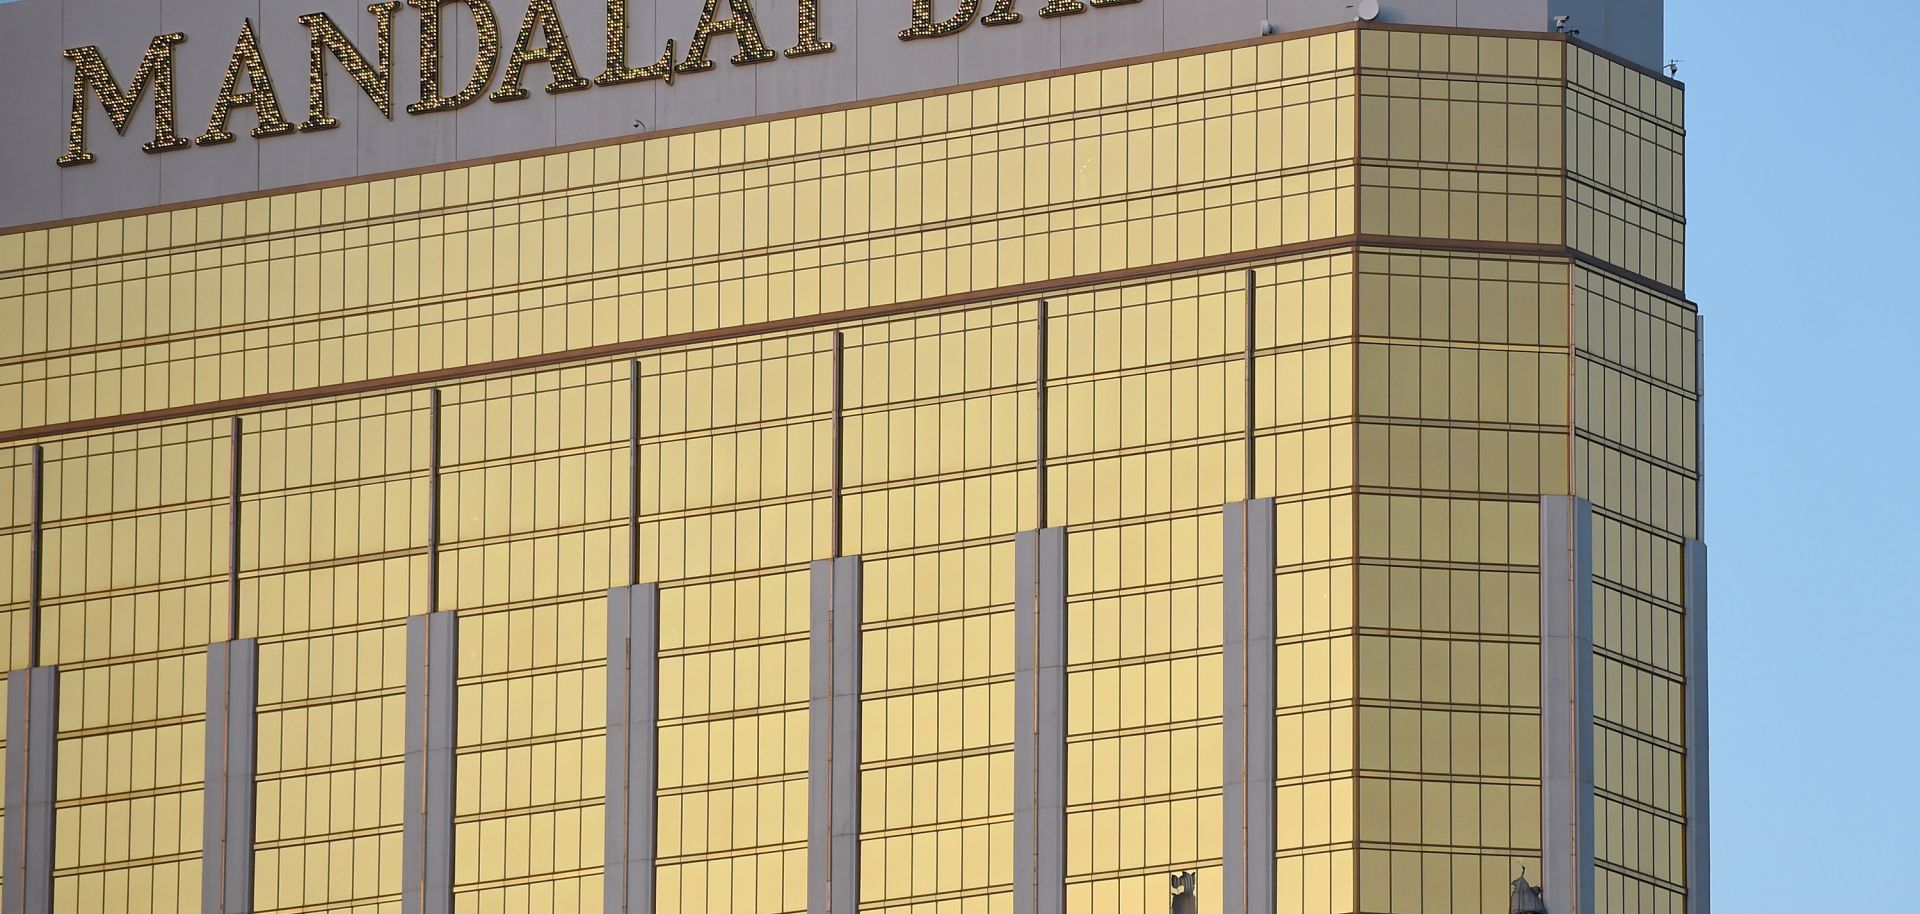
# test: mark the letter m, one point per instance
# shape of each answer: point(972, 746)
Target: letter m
point(90, 72)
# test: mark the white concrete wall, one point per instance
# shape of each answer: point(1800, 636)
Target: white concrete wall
point(870, 61)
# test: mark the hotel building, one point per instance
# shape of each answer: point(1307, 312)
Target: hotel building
point(894, 456)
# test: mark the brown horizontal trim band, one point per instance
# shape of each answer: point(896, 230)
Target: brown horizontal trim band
point(630, 349)
point(826, 109)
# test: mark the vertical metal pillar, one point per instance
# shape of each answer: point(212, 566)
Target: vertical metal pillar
point(633, 708)
point(36, 554)
point(226, 856)
point(1566, 703)
point(833, 751)
point(633, 702)
point(1247, 622)
point(1699, 740)
point(233, 680)
point(1249, 370)
point(433, 502)
point(1040, 681)
point(1699, 791)
point(1040, 420)
point(432, 667)
point(233, 529)
point(633, 473)
point(33, 715)
point(1040, 722)
point(427, 833)
point(33, 722)
point(838, 468)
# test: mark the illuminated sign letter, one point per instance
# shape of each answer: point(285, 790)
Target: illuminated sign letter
point(485, 24)
point(542, 39)
point(90, 70)
point(377, 81)
point(1003, 14)
point(924, 27)
point(742, 25)
point(1069, 7)
point(259, 95)
point(556, 54)
point(810, 41)
point(617, 70)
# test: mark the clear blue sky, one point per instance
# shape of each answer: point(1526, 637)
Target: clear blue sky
point(1802, 152)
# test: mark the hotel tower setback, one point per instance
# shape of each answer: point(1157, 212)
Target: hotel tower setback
point(833, 456)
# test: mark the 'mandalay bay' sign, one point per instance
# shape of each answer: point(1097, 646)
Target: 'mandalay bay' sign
point(542, 39)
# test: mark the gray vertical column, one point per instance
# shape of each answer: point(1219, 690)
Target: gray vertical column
point(1040, 420)
point(427, 838)
point(1247, 627)
point(633, 677)
point(233, 686)
point(633, 472)
point(1040, 722)
point(833, 751)
point(33, 727)
point(1250, 392)
point(433, 501)
point(36, 554)
point(433, 651)
point(233, 531)
point(33, 715)
point(226, 855)
point(1566, 703)
point(837, 484)
point(1699, 744)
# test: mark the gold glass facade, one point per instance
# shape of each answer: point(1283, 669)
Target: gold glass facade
point(1467, 254)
